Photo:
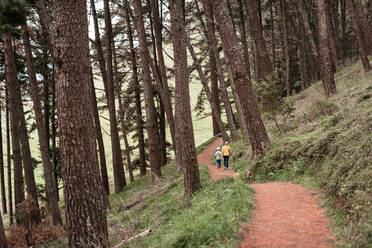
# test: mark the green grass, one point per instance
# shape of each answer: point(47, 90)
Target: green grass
point(210, 219)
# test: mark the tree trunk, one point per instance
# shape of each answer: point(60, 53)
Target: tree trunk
point(331, 36)
point(264, 66)
point(151, 122)
point(283, 15)
point(9, 164)
point(99, 137)
point(184, 128)
point(364, 27)
point(119, 176)
point(362, 46)
point(137, 92)
point(21, 129)
point(207, 91)
point(325, 50)
point(98, 46)
point(163, 134)
point(309, 33)
point(243, 37)
point(2, 175)
point(212, 46)
point(50, 185)
point(3, 243)
point(117, 81)
point(83, 191)
point(11, 81)
point(163, 72)
point(257, 132)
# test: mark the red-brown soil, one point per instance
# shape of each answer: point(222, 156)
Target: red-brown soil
point(286, 215)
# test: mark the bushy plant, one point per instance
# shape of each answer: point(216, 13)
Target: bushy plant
point(270, 95)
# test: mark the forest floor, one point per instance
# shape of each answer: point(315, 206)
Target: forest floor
point(285, 215)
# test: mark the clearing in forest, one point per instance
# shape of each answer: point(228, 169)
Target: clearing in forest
point(285, 215)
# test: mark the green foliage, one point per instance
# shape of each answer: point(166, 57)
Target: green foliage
point(12, 14)
point(270, 94)
point(210, 219)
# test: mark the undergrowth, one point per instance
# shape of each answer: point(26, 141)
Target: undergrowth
point(327, 145)
point(209, 219)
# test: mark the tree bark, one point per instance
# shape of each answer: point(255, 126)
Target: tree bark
point(264, 66)
point(364, 27)
point(283, 15)
point(9, 164)
point(3, 243)
point(11, 80)
point(184, 128)
point(137, 92)
point(83, 191)
point(119, 176)
point(163, 72)
point(50, 185)
point(257, 132)
point(117, 81)
point(151, 122)
point(362, 46)
point(309, 33)
point(207, 91)
point(2, 175)
point(98, 46)
point(325, 50)
point(243, 37)
point(212, 46)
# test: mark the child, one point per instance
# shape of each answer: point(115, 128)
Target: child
point(218, 156)
point(226, 154)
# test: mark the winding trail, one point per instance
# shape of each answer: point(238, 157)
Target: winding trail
point(286, 214)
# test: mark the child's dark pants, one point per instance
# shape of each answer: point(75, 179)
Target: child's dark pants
point(226, 161)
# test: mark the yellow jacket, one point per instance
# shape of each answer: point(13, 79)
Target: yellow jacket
point(226, 151)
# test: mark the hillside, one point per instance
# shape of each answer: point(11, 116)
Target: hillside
point(326, 146)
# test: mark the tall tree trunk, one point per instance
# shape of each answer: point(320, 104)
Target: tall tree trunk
point(9, 163)
point(212, 46)
point(283, 15)
point(3, 243)
point(163, 72)
point(243, 37)
point(362, 46)
point(257, 132)
point(98, 46)
point(2, 175)
point(325, 50)
point(184, 128)
point(21, 129)
point(163, 134)
point(264, 66)
point(11, 81)
point(151, 122)
point(306, 23)
point(137, 92)
point(302, 56)
point(117, 81)
point(119, 176)
point(50, 185)
point(207, 91)
point(331, 35)
point(83, 191)
point(364, 27)
point(99, 137)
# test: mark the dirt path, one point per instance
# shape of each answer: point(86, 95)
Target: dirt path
point(286, 215)
point(205, 157)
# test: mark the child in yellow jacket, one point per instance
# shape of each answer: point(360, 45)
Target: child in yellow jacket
point(226, 152)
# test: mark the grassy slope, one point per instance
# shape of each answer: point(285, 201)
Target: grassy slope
point(327, 145)
point(210, 219)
